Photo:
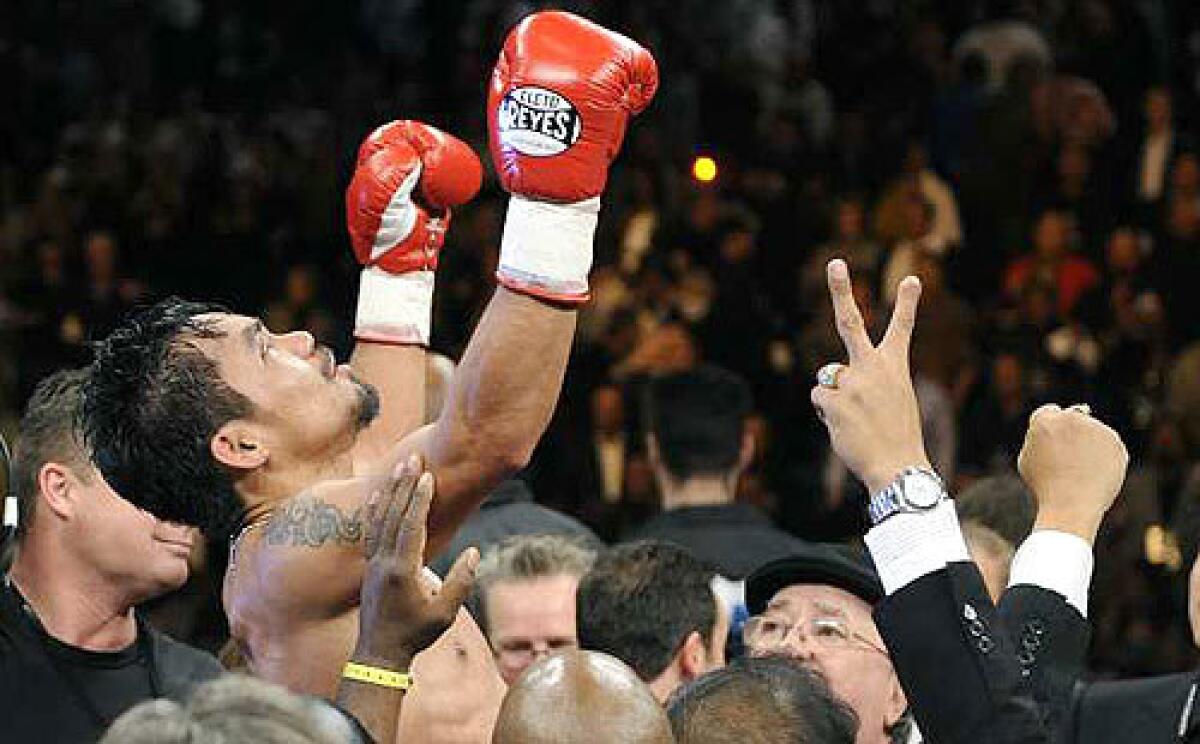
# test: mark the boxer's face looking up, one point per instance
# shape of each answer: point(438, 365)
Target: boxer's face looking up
point(305, 405)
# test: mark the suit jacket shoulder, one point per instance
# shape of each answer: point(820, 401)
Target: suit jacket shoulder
point(1147, 711)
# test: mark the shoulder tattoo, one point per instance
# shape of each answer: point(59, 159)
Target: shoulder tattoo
point(310, 522)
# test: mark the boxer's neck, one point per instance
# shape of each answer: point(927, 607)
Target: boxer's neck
point(280, 480)
point(72, 601)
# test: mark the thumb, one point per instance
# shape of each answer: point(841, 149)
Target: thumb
point(459, 581)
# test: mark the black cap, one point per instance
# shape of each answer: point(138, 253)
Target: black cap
point(840, 566)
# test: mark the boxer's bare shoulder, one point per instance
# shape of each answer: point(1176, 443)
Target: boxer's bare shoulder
point(305, 557)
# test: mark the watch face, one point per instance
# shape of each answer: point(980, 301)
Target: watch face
point(921, 491)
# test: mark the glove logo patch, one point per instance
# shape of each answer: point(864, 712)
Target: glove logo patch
point(538, 122)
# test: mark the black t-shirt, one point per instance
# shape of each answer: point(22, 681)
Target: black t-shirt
point(52, 692)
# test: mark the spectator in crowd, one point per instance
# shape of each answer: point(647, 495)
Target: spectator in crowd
point(760, 701)
point(1072, 184)
point(1185, 177)
point(599, 467)
point(609, 441)
point(699, 445)
point(918, 184)
point(652, 605)
point(1127, 307)
point(993, 426)
point(945, 342)
point(1180, 258)
point(815, 607)
point(107, 294)
point(74, 652)
point(526, 589)
point(996, 515)
point(1002, 41)
point(850, 241)
point(1158, 148)
point(1002, 503)
point(232, 708)
point(914, 242)
point(577, 697)
point(1052, 264)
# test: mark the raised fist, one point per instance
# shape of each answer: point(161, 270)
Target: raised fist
point(398, 207)
point(407, 178)
point(1075, 466)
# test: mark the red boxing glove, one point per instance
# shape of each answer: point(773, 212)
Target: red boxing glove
point(561, 95)
point(407, 178)
point(390, 228)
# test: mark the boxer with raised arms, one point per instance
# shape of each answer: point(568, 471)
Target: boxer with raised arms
point(206, 418)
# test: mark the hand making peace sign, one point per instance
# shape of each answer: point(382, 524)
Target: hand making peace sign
point(869, 405)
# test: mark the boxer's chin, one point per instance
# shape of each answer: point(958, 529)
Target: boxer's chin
point(368, 403)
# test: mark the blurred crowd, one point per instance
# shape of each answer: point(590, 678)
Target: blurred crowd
point(1034, 162)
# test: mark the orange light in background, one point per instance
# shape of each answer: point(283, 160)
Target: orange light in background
point(704, 169)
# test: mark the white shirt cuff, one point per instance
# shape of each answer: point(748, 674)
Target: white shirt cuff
point(1057, 561)
point(907, 546)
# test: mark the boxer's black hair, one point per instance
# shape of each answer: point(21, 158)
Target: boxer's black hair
point(151, 406)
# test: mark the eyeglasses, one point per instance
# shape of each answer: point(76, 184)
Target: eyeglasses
point(523, 653)
point(827, 631)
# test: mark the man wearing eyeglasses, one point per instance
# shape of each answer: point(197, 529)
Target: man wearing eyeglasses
point(815, 607)
point(525, 588)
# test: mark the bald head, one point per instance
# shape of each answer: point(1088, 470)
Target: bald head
point(577, 697)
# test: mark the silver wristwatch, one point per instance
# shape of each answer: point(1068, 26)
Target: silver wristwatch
point(915, 490)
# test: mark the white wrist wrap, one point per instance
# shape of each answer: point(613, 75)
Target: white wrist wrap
point(907, 546)
point(546, 250)
point(394, 308)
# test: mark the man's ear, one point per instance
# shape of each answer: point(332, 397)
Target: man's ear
point(897, 703)
point(237, 446)
point(57, 486)
point(693, 657)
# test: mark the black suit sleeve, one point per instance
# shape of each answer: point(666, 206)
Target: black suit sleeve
point(1051, 639)
point(957, 664)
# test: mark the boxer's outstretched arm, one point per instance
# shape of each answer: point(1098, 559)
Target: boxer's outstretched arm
point(500, 402)
point(408, 178)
